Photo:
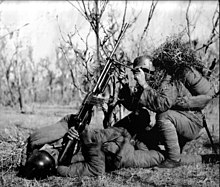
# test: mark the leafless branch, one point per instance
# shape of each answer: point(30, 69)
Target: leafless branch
point(70, 69)
point(16, 30)
point(216, 13)
point(82, 38)
point(188, 22)
point(150, 15)
point(135, 18)
point(103, 7)
point(214, 33)
point(124, 15)
point(60, 30)
point(79, 9)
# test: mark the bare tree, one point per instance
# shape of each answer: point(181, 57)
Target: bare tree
point(34, 73)
point(191, 25)
point(214, 35)
point(50, 77)
point(188, 22)
point(7, 71)
point(17, 67)
point(63, 69)
point(150, 16)
point(93, 12)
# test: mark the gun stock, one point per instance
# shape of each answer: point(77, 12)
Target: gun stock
point(84, 115)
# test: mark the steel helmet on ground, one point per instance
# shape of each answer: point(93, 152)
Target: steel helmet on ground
point(39, 165)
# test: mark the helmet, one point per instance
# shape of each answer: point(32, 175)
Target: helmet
point(39, 165)
point(143, 62)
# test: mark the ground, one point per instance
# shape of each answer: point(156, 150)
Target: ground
point(15, 128)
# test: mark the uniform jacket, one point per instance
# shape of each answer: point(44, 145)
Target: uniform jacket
point(169, 96)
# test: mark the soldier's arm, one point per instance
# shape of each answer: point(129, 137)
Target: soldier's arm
point(160, 100)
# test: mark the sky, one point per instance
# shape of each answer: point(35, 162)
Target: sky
point(39, 21)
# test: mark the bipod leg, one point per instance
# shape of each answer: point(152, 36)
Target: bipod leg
point(209, 135)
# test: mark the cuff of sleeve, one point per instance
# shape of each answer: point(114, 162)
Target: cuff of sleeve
point(146, 87)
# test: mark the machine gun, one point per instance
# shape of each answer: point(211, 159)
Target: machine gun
point(84, 115)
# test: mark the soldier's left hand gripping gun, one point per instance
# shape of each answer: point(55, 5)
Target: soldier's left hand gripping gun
point(84, 115)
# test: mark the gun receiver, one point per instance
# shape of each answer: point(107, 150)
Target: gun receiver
point(84, 115)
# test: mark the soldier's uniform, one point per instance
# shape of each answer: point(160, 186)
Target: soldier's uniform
point(101, 149)
point(177, 105)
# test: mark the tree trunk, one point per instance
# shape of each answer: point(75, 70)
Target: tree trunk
point(20, 99)
point(97, 30)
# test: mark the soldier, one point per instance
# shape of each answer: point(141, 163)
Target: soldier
point(178, 112)
point(101, 150)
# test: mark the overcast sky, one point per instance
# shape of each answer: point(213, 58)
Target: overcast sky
point(44, 18)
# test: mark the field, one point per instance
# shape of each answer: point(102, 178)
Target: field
point(15, 128)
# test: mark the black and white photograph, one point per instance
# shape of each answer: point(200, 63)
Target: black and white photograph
point(107, 93)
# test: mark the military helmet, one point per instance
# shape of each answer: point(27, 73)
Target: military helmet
point(143, 62)
point(39, 165)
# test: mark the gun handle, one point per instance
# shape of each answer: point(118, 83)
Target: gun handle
point(68, 152)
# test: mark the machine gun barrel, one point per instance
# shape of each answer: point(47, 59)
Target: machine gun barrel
point(101, 81)
point(84, 115)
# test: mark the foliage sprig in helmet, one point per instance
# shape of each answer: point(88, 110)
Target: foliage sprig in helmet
point(175, 54)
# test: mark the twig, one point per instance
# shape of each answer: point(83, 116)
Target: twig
point(188, 22)
point(213, 32)
point(150, 15)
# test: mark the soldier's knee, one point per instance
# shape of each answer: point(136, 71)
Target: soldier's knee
point(164, 115)
point(166, 120)
point(63, 171)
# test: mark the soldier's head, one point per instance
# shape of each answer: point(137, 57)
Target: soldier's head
point(39, 165)
point(144, 63)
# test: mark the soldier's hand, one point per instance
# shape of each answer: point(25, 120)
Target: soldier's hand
point(97, 100)
point(124, 92)
point(73, 134)
point(139, 76)
point(123, 76)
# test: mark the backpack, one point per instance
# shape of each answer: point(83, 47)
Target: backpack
point(196, 83)
point(201, 89)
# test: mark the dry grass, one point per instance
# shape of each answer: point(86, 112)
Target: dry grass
point(15, 130)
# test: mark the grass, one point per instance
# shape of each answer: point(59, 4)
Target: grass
point(15, 128)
